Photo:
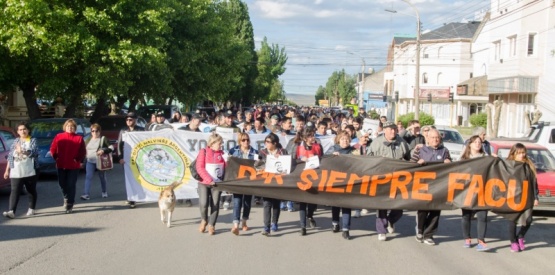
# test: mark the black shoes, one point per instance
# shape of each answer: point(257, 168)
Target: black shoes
point(303, 231)
point(312, 222)
point(335, 228)
point(346, 235)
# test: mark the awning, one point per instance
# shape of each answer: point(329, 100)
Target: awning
point(477, 86)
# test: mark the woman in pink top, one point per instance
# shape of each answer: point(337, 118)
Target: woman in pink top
point(210, 166)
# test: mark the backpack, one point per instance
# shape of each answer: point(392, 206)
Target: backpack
point(193, 169)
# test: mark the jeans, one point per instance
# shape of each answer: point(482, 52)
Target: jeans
point(427, 222)
point(208, 197)
point(241, 201)
point(67, 179)
point(345, 217)
point(306, 210)
point(382, 219)
point(482, 219)
point(31, 186)
point(286, 205)
point(271, 211)
point(90, 168)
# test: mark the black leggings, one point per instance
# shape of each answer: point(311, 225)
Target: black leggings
point(513, 236)
point(482, 223)
point(17, 185)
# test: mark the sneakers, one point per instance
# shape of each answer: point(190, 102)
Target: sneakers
point(31, 212)
point(303, 232)
point(357, 214)
point(266, 231)
point(521, 244)
point(9, 214)
point(85, 197)
point(312, 222)
point(381, 237)
point(226, 205)
point(429, 241)
point(515, 247)
point(274, 227)
point(346, 235)
point(69, 210)
point(291, 209)
point(482, 247)
point(390, 228)
point(467, 243)
point(131, 204)
point(335, 228)
point(364, 211)
point(104, 195)
point(419, 238)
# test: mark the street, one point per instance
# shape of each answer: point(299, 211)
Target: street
point(104, 236)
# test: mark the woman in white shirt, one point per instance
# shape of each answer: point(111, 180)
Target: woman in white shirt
point(95, 146)
point(21, 169)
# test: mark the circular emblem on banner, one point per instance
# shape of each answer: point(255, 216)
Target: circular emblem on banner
point(158, 162)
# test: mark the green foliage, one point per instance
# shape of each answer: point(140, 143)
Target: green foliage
point(373, 114)
point(271, 64)
point(320, 95)
point(340, 88)
point(424, 119)
point(480, 119)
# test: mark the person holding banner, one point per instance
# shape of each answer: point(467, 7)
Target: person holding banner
point(305, 152)
point(245, 151)
point(96, 146)
point(474, 149)
point(518, 153)
point(210, 166)
point(271, 206)
point(388, 145)
point(68, 149)
point(427, 221)
point(342, 147)
point(130, 126)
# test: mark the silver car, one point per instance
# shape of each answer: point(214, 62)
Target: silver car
point(452, 140)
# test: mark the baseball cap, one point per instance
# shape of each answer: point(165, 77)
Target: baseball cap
point(228, 114)
point(274, 117)
point(131, 115)
point(160, 113)
point(389, 124)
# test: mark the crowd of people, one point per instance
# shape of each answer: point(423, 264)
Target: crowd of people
point(305, 128)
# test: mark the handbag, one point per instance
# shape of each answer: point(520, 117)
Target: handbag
point(104, 161)
point(193, 169)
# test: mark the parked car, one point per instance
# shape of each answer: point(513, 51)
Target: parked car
point(44, 130)
point(147, 111)
point(111, 126)
point(542, 159)
point(4, 151)
point(8, 134)
point(452, 140)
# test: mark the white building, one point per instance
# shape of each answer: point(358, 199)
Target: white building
point(445, 62)
point(515, 49)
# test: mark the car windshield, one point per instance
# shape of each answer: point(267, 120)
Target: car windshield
point(451, 136)
point(542, 159)
point(49, 129)
point(8, 136)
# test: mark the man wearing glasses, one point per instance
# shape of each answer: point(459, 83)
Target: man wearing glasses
point(131, 126)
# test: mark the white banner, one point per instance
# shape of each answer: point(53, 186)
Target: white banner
point(154, 160)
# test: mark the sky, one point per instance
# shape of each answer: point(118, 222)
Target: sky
point(323, 36)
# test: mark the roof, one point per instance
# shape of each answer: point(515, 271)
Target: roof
point(401, 39)
point(453, 30)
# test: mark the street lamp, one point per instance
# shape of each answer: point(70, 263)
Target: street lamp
point(361, 87)
point(417, 69)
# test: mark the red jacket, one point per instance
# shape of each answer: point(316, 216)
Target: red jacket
point(68, 150)
point(315, 150)
point(205, 156)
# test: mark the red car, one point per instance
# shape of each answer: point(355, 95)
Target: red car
point(4, 151)
point(111, 126)
point(542, 159)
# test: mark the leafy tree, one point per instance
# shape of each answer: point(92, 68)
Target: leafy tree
point(271, 64)
point(480, 119)
point(320, 95)
point(340, 88)
point(424, 118)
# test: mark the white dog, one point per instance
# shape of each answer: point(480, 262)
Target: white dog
point(166, 203)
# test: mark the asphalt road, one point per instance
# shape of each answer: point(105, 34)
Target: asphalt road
point(103, 236)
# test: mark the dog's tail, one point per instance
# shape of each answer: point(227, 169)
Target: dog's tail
point(174, 185)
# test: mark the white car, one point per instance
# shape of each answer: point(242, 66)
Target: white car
point(452, 140)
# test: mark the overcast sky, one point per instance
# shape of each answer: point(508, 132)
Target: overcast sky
point(323, 36)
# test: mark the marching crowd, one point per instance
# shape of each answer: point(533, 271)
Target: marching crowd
point(305, 128)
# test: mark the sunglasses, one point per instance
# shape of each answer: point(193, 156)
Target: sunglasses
point(129, 119)
point(243, 140)
point(95, 131)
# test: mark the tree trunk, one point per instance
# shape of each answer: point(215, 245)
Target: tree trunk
point(100, 110)
point(31, 100)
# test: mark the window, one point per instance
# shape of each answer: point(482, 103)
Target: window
point(526, 98)
point(424, 53)
point(531, 43)
point(425, 78)
point(512, 45)
point(439, 51)
point(496, 50)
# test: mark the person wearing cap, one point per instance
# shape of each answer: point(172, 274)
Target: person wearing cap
point(274, 124)
point(228, 122)
point(131, 126)
point(160, 123)
point(388, 145)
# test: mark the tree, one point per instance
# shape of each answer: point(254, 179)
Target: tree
point(340, 88)
point(271, 64)
point(321, 94)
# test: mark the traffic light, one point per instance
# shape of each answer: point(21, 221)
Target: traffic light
point(429, 97)
point(397, 96)
point(451, 97)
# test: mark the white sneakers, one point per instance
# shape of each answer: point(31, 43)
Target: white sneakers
point(104, 195)
point(381, 237)
point(31, 212)
point(9, 214)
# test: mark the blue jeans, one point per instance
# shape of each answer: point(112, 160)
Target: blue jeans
point(286, 205)
point(240, 201)
point(345, 217)
point(306, 210)
point(67, 179)
point(90, 168)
